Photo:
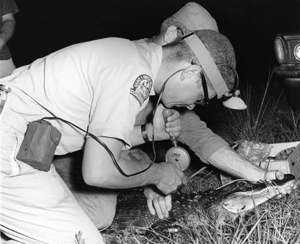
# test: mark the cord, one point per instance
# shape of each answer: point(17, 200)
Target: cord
point(154, 111)
point(102, 143)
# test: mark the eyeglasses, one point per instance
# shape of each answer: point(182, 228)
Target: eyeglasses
point(203, 101)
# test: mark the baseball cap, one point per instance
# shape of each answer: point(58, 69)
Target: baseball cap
point(195, 17)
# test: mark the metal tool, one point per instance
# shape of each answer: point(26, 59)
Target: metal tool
point(176, 155)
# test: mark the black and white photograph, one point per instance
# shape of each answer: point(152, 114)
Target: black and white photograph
point(150, 122)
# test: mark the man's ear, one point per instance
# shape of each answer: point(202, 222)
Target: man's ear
point(170, 34)
point(190, 71)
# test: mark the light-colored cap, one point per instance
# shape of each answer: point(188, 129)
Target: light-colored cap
point(195, 17)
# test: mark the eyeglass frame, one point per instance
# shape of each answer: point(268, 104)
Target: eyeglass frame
point(206, 99)
point(203, 101)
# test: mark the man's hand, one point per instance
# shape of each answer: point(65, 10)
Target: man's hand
point(158, 203)
point(234, 164)
point(276, 174)
point(168, 177)
point(163, 129)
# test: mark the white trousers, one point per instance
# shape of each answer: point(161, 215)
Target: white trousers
point(37, 206)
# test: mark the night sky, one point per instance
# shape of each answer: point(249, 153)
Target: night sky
point(251, 25)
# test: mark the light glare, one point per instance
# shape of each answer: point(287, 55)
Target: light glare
point(297, 51)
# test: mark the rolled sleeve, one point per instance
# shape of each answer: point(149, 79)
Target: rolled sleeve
point(199, 138)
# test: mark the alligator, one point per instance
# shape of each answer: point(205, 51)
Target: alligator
point(232, 199)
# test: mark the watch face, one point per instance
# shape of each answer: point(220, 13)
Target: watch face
point(279, 50)
point(297, 51)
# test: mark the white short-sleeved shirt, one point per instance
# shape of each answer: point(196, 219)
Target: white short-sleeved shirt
point(99, 85)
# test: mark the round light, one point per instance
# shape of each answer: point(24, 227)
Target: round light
point(297, 51)
point(235, 102)
point(280, 50)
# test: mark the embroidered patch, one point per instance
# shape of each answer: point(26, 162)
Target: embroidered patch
point(141, 88)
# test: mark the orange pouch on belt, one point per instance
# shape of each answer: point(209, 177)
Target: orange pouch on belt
point(39, 145)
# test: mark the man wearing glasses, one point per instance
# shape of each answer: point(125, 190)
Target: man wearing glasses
point(209, 147)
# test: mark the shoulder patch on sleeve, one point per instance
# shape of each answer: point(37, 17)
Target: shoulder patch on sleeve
point(141, 88)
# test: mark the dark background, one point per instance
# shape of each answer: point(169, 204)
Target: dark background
point(44, 26)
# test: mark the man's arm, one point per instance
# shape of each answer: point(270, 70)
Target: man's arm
point(232, 163)
point(99, 170)
point(7, 28)
point(211, 148)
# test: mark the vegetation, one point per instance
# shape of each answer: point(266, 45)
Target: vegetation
point(268, 119)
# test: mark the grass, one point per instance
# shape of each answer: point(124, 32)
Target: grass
point(276, 221)
point(268, 119)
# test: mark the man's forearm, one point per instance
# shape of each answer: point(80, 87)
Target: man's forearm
point(231, 162)
point(99, 169)
point(131, 163)
point(6, 31)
